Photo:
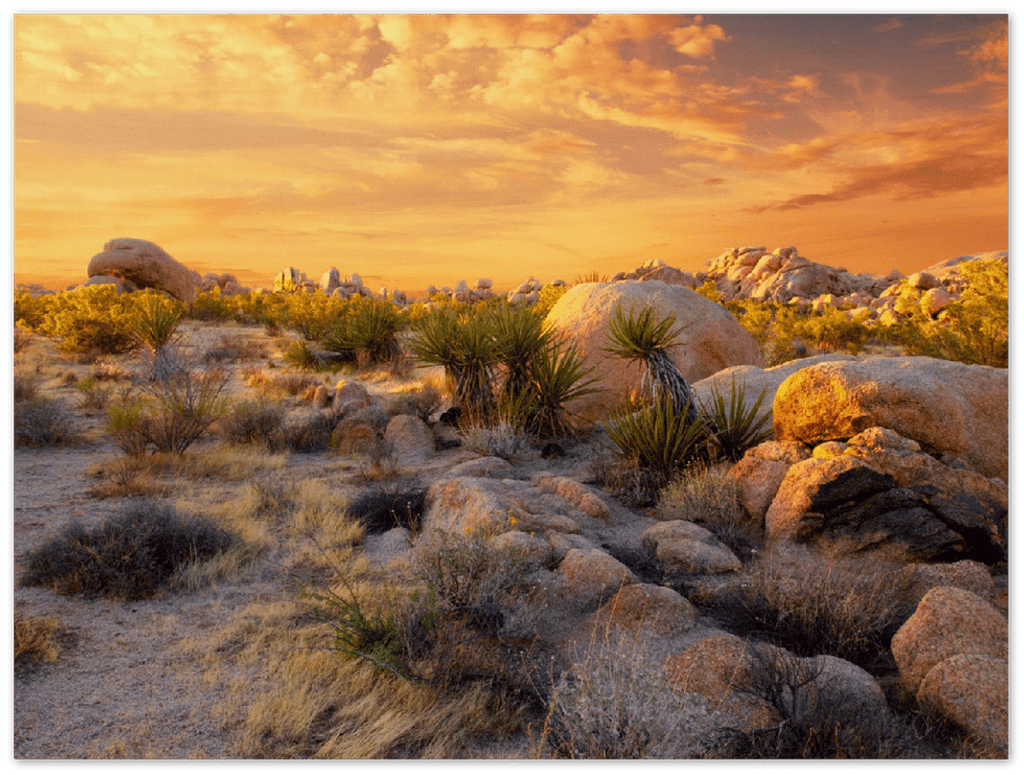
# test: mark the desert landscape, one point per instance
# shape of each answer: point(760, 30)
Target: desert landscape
point(758, 511)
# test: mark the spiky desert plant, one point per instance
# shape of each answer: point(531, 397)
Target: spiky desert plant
point(558, 375)
point(639, 337)
point(154, 327)
point(463, 343)
point(736, 427)
point(521, 339)
point(659, 439)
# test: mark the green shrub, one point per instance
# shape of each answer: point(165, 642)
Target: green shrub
point(300, 355)
point(91, 319)
point(128, 557)
point(557, 375)
point(549, 296)
point(93, 394)
point(974, 329)
point(124, 424)
point(44, 422)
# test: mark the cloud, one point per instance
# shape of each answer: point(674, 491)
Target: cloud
point(888, 26)
point(696, 41)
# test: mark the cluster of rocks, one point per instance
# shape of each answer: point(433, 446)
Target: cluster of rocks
point(783, 276)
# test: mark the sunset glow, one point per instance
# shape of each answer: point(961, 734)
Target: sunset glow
point(427, 149)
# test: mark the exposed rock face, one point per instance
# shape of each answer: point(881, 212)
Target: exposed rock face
point(594, 575)
point(760, 472)
point(651, 606)
point(711, 339)
point(147, 266)
point(852, 498)
point(956, 410)
point(947, 622)
point(973, 691)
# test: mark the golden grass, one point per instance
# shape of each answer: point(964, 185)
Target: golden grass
point(37, 638)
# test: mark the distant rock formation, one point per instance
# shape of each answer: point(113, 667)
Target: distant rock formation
point(147, 266)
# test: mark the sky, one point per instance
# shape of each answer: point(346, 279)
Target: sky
point(424, 149)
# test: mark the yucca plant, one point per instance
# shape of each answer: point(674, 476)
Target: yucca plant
point(367, 333)
point(463, 343)
point(521, 339)
point(659, 438)
point(736, 428)
point(558, 375)
point(638, 337)
point(155, 326)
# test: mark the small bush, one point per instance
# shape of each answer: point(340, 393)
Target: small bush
point(366, 333)
point(301, 356)
point(125, 426)
point(44, 422)
point(252, 422)
point(422, 402)
point(308, 433)
point(37, 639)
point(93, 395)
point(128, 557)
point(709, 498)
point(234, 348)
point(814, 605)
point(380, 509)
point(613, 703)
point(812, 725)
point(502, 439)
point(26, 387)
point(184, 406)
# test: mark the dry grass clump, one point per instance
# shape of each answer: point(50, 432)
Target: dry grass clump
point(614, 703)
point(419, 400)
point(382, 508)
point(44, 422)
point(280, 385)
point(252, 422)
point(233, 348)
point(128, 557)
point(809, 604)
point(308, 432)
point(37, 639)
point(501, 439)
point(706, 496)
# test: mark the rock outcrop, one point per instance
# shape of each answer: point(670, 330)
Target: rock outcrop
point(711, 339)
point(957, 411)
point(147, 266)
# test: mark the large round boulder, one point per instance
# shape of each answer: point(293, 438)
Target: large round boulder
point(147, 265)
point(711, 339)
point(952, 409)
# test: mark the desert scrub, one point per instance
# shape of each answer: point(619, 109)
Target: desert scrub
point(973, 329)
point(615, 703)
point(252, 422)
point(91, 320)
point(707, 496)
point(93, 396)
point(813, 723)
point(130, 556)
point(179, 411)
point(44, 422)
point(810, 604)
point(382, 508)
point(306, 432)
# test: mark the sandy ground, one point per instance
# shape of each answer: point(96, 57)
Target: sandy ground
point(127, 684)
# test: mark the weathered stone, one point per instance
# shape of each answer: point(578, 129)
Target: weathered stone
point(594, 576)
point(950, 408)
point(491, 467)
point(671, 276)
point(147, 266)
point(947, 622)
point(684, 547)
point(658, 609)
point(410, 439)
point(757, 483)
point(972, 691)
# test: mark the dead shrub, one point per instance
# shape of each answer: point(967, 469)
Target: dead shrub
point(252, 422)
point(44, 422)
point(38, 639)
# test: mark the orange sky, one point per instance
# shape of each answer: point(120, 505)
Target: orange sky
point(428, 149)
